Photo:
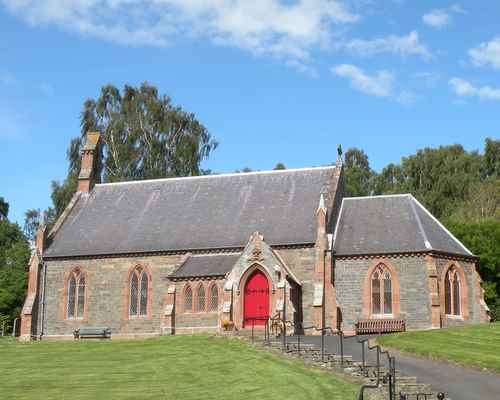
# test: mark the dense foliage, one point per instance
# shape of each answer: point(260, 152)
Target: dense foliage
point(144, 136)
point(459, 187)
point(14, 257)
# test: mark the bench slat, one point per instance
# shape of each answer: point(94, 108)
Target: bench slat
point(380, 325)
point(92, 332)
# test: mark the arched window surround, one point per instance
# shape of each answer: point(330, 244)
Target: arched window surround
point(367, 290)
point(210, 306)
point(188, 288)
point(200, 305)
point(127, 294)
point(80, 312)
point(463, 292)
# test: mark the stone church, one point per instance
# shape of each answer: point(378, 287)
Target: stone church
point(208, 253)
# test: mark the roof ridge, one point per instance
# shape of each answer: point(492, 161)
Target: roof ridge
point(265, 172)
point(427, 244)
point(441, 225)
point(379, 196)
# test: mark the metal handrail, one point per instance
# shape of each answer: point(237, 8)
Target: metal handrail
point(391, 374)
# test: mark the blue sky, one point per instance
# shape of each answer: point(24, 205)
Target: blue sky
point(272, 80)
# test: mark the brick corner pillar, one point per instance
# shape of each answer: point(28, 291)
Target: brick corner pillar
point(89, 174)
point(28, 329)
point(484, 315)
point(168, 318)
point(226, 312)
point(433, 288)
point(324, 303)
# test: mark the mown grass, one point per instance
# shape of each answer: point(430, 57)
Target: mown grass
point(176, 367)
point(475, 346)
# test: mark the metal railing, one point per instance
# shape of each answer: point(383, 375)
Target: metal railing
point(389, 377)
point(277, 327)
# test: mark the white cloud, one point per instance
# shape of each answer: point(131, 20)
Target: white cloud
point(487, 53)
point(380, 84)
point(464, 88)
point(438, 18)
point(406, 45)
point(284, 29)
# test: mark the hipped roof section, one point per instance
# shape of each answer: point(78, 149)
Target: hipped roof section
point(391, 224)
point(206, 212)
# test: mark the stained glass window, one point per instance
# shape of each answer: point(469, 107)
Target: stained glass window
point(188, 299)
point(76, 295)
point(452, 292)
point(139, 296)
point(214, 298)
point(381, 285)
point(201, 299)
point(71, 296)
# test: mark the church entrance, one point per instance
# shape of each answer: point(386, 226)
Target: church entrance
point(256, 300)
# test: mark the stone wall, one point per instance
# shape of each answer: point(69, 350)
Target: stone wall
point(301, 263)
point(411, 274)
point(192, 321)
point(472, 295)
point(106, 295)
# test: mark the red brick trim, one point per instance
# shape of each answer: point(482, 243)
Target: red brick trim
point(464, 291)
point(126, 293)
point(63, 298)
point(367, 289)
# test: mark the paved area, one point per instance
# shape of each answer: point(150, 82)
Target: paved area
point(457, 382)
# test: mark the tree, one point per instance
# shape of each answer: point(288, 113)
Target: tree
point(359, 176)
point(4, 209)
point(14, 256)
point(144, 136)
point(31, 223)
point(279, 166)
point(390, 180)
point(492, 157)
point(483, 239)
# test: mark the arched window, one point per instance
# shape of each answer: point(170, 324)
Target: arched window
point(452, 292)
point(76, 295)
point(213, 303)
point(139, 284)
point(381, 290)
point(201, 303)
point(188, 299)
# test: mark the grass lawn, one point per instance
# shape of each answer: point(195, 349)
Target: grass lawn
point(476, 346)
point(174, 367)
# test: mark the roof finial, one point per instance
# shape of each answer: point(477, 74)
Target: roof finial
point(321, 205)
point(339, 155)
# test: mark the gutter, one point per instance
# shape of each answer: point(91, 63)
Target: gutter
point(42, 303)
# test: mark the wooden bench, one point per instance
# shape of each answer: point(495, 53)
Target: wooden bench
point(92, 332)
point(365, 326)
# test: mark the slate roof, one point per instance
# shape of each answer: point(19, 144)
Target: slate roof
point(216, 211)
point(391, 224)
point(206, 265)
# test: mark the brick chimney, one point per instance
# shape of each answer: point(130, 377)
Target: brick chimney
point(89, 176)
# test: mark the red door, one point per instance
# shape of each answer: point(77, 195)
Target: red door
point(256, 301)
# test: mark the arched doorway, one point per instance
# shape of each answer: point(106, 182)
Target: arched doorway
point(256, 299)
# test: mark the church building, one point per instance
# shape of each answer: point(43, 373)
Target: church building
point(219, 252)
